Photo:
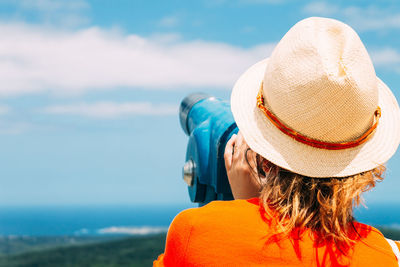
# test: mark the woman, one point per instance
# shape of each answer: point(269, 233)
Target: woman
point(316, 126)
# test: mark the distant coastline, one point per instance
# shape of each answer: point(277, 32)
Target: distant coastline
point(127, 235)
point(86, 220)
point(132, 220)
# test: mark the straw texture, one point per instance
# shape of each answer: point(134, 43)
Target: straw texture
point(319, 81)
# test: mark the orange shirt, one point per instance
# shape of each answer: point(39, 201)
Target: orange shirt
point(233, 233)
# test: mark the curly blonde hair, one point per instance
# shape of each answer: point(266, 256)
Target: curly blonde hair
point(323, 205)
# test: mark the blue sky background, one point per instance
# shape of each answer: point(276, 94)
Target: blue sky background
point(90, 90)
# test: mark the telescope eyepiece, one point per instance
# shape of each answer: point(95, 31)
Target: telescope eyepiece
point(185, 107)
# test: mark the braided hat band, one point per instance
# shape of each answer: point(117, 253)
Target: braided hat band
point(310, 141)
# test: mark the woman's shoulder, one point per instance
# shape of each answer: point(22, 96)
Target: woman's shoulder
point(218, 208)
point(372, 243)
point(219, 212)
point(252, 203)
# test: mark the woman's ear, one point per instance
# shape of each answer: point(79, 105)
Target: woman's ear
point(263, 166)
point(266, 166)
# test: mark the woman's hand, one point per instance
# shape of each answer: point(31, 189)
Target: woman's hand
point(241, 172)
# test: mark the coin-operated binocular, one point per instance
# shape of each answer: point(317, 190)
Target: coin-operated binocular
point(209, 123)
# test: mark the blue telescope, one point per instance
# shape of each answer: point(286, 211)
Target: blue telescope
point(209, 123)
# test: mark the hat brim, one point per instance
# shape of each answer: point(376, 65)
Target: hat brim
point(267, 140)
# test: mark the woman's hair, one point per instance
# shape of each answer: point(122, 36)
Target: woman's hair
point(323, 205)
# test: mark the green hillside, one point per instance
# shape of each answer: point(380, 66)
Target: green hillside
point(92, 252)
point(133, 251)
point(391, 233)
point(11, 245)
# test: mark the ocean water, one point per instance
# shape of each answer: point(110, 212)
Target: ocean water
point(101, 220)
point(383, 214)
point(86, 220)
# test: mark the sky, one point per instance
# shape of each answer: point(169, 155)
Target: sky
point(90, 90)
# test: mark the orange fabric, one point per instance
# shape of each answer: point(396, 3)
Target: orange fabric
point(234, 233)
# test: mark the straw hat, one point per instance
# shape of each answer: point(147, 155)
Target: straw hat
point(319, 101)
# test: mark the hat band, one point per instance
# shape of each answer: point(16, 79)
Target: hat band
point(313, 142)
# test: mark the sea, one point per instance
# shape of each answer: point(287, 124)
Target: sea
point(130, 219)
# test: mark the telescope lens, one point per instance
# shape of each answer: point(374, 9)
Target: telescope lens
point(185, 107)
point(188, 172)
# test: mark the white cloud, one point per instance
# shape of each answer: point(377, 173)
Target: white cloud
point(385, 57)
point(4, 109)
point(168, 22)
point(12, 128)
point(371, 18)
point(9, 126)
point(144, 230)
point(321, 8)
point(112, 110)
point(37, 59)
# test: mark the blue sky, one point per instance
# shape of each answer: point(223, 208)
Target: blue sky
point(90, 90)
